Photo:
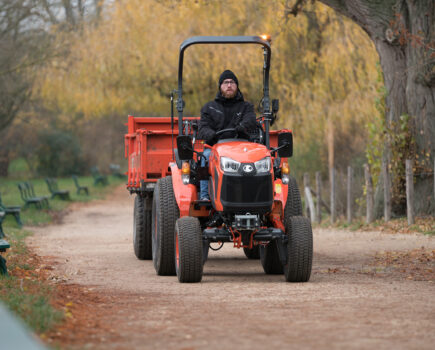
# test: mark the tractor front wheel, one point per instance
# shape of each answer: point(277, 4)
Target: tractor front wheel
point(188, 249)
point(299, 249)
point(293, 207)
point(164, 214)
point(142, 229)
point(269, 258)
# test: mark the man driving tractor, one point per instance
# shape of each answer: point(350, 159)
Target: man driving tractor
point(227, 110)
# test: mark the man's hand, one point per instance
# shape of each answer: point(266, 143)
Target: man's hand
point(211, 137)
point(240, 129)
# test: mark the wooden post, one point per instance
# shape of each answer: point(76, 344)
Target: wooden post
point(333, 207)
point(319, 197)
point(369, 194)
point(349, 193)
point(387, 191)
point(409, 192)
point(309, 200)
point(307, 184)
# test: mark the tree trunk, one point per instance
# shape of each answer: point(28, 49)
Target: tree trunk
point(69, 13)
point(98, 8)
point(4, 162)
point(330, 142)
point(403, 32)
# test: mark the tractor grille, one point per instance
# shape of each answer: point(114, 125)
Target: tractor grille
point(247, 193)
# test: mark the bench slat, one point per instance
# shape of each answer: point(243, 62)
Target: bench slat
point(4, 244)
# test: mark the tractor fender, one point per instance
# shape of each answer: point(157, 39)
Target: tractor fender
point(280, 193)
point(184, 194)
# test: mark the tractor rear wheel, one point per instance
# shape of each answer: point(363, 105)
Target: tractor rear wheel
point(205, 250)
point(253, 253)
point(299, 249)
point(269, 258)
point(188, 249)
point(164, 214)
point(142, 229)
point(293, 207)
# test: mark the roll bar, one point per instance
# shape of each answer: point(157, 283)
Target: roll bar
point(225, 40)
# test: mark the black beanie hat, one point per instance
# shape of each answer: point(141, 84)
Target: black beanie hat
point(228, 75)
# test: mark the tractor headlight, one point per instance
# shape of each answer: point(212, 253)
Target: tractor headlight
point(229, 165)
point(185, 173)
point(285, 179)
point(263, 166)
point(285, 173)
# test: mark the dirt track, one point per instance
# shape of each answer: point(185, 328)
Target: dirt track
point(349, 302)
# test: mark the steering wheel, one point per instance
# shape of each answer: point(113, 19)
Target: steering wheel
point(220, 132)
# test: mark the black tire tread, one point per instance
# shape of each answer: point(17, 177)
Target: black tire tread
point(293, 207)
point(190, 246)
point(205, 250)
point(270, 261)
point(168, 213)
point(300, 250)
point(142, 229)
point(253, 253)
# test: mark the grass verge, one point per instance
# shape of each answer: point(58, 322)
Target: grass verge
point(424, 225)
point(27, 291)
point(23, 291)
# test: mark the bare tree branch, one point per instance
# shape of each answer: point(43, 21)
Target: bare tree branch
point(48, 10)
point(295, 8)
point(98, 8)
point(69, 13)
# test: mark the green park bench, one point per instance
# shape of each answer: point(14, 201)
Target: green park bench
point(80, 188)
point(54, 189)
point(11, 210)
point(3, 246)
point(115, 170)
point(27, 193)
point(99, 179)
point(2, 217)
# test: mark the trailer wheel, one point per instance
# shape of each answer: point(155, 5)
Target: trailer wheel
point(269, 258)
point(164, 214)
point(293, 207)
point(142, 229)
point(188, 249)
point(300, 250)
point(253, 253)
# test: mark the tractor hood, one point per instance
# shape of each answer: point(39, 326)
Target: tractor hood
point(242, 151)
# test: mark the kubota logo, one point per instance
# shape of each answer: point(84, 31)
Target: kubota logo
point(247, 168)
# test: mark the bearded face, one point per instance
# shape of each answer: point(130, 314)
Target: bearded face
point(228, 88)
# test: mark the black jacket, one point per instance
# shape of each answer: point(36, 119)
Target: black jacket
point(225, 113)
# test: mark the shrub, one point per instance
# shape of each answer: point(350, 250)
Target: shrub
point(59, 154)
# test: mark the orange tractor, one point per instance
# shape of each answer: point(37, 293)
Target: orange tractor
point(254, 202)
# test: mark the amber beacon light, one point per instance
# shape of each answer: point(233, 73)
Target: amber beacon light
point(266, 37)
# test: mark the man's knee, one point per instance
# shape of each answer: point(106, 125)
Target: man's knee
point(205, 157)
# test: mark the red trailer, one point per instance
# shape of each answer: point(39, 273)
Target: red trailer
point(149, 147)
point(254, 202)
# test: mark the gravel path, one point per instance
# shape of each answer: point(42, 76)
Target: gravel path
point(349, 303)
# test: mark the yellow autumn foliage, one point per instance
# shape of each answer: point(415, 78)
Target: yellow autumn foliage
point(323, 66)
